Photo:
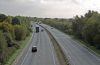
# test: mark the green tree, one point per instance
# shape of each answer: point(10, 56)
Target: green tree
point(90, 28)
point(3, 47)
point(20, 32)
point(97, 41)
point(15, 21)
point(2, 17)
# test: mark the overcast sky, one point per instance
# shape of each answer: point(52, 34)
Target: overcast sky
point(48, 8)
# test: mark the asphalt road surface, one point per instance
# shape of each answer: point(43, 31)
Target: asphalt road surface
point(45, 54)
point(77, 53)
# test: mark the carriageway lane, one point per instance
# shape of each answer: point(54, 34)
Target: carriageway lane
point(45, 54)
point(77, 53)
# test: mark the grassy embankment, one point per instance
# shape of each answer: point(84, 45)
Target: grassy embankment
point(18, 51)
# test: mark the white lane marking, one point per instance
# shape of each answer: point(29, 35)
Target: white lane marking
point(52, 53)
point(90, 52)
point(86, 50)
point(51, 48)
point(67, 55)
point(25, 57)
point(27, 52)
point(15, 62)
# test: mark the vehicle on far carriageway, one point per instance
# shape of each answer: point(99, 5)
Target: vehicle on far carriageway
point(42, 30)
point(51, 27)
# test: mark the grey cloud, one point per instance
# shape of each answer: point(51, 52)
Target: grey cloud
point(75, 2)
point(54, 0)
point(16, 8)
point(40, 9)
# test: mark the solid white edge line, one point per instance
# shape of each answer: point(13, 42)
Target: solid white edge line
point(52, 50)
point(27, 52)
point(28, 49)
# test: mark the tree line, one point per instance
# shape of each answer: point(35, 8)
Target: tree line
point(12, 31)
point(86, 27)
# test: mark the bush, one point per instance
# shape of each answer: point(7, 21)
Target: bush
point(3, 48)
point(97, 41)
point(2, 17)
point(15, 21)
point(20, 32)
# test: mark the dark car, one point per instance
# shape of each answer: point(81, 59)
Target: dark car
point(34, 49)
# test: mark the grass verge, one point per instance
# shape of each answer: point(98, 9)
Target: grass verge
point(92, 48)
point(14, 56)
point(60, 54)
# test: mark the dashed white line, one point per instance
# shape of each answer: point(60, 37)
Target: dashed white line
point(27, 52)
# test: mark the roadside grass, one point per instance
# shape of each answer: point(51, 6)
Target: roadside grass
point(60, 54)
point(16, 53)
point(93, 48)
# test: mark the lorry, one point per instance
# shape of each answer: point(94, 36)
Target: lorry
point(37, 29)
